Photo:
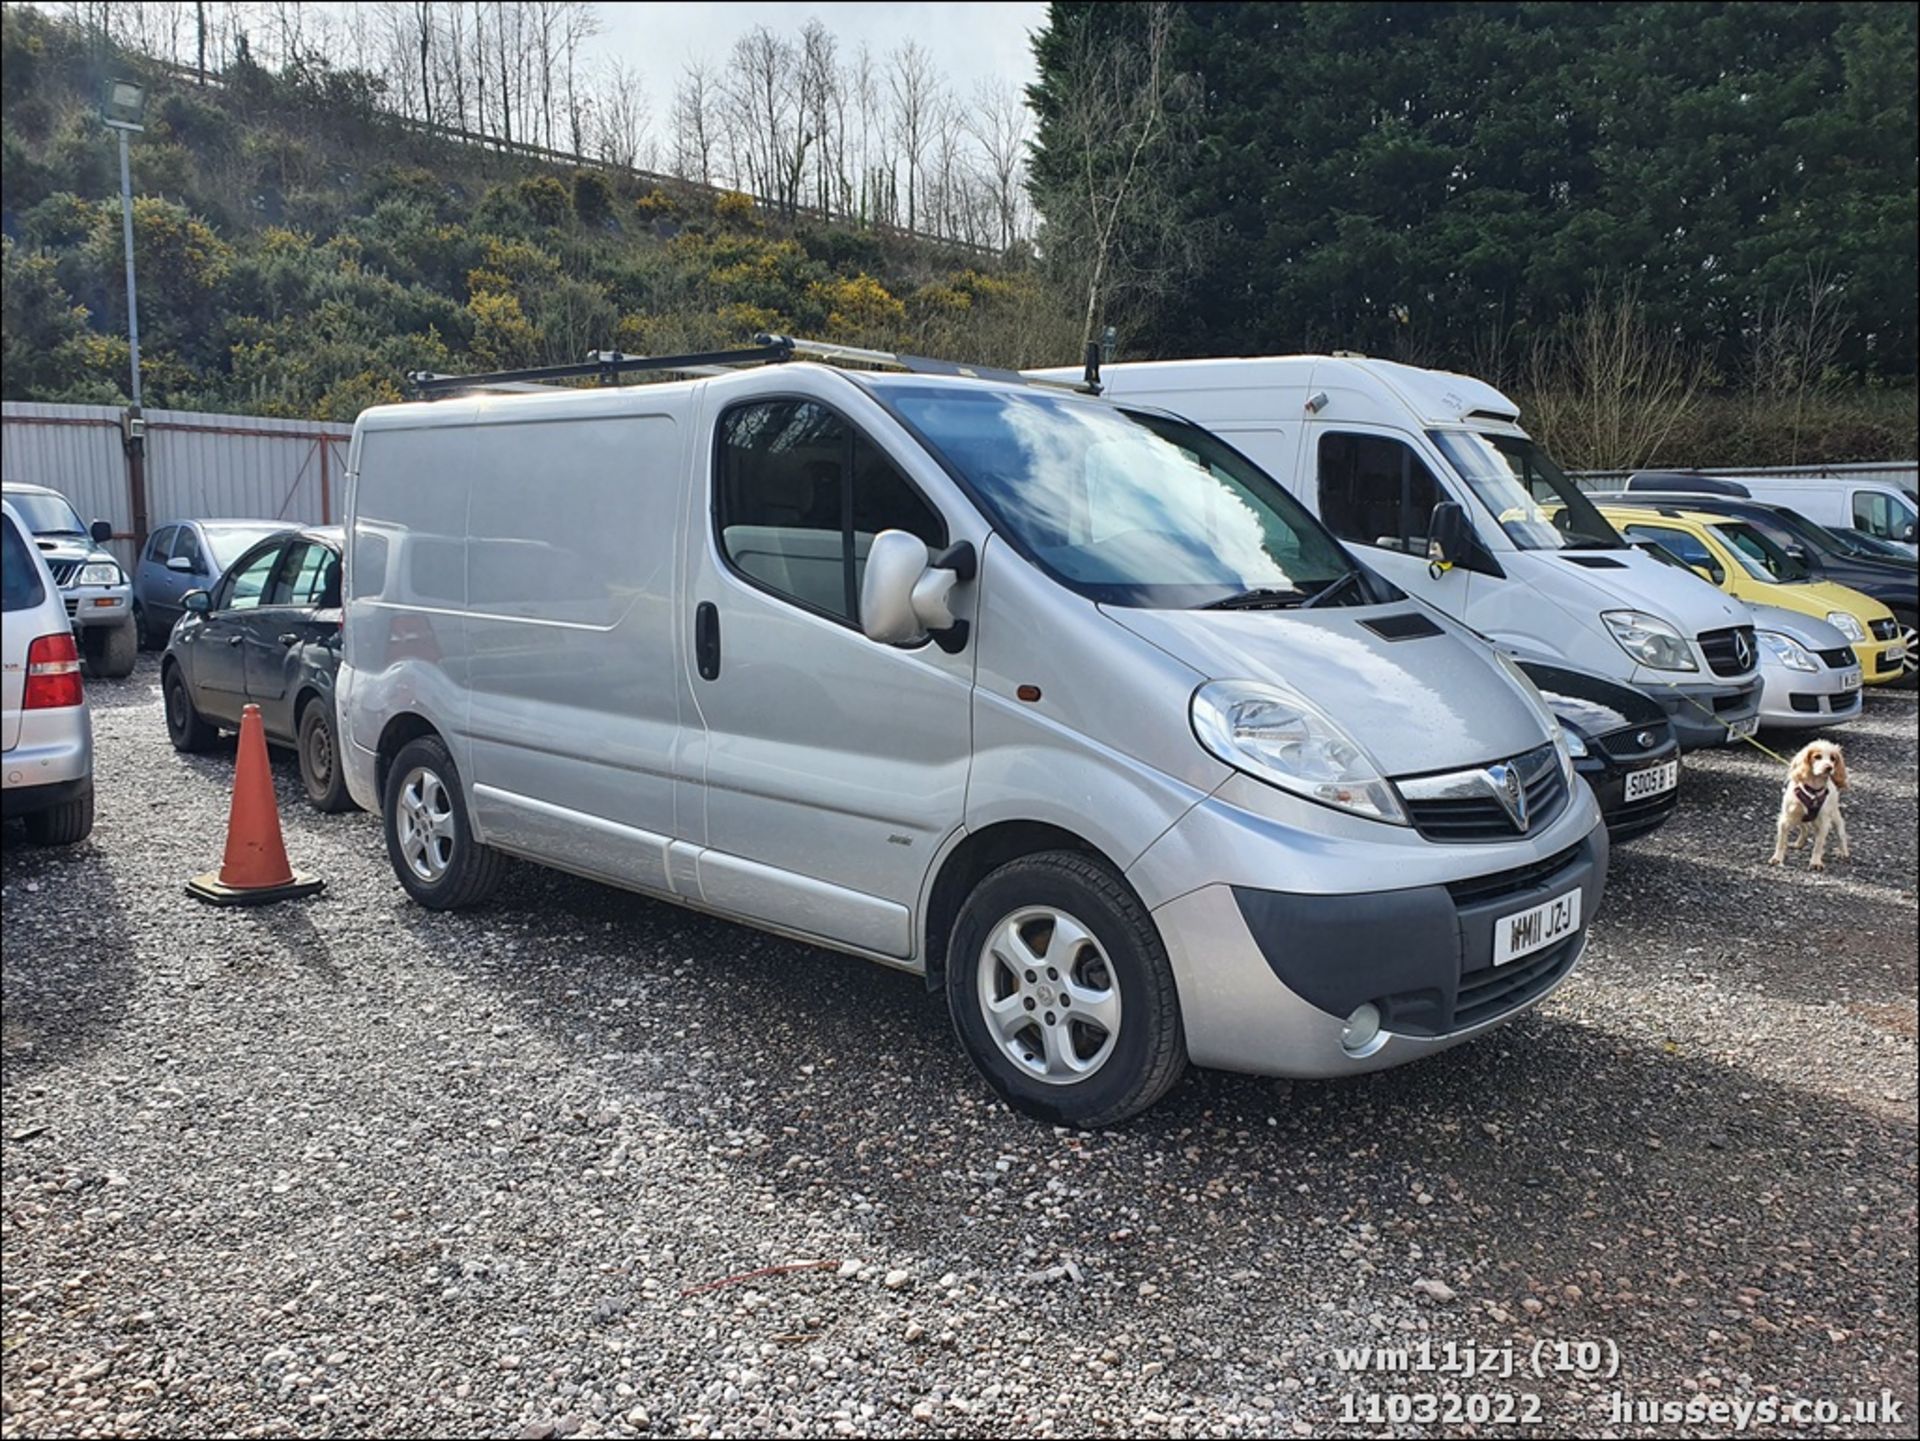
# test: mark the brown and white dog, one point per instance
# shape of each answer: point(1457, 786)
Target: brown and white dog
point(1815, 778)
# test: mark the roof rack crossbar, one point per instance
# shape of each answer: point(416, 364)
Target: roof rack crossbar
point(605, 365)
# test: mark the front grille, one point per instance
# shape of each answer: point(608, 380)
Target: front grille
point(62, 570)
point(73, 605)
point(1625, 745)
point(1737, 701)
point(1840, 704)
point(1839, 658)
point(1805, 704)
point(1491, 992)
point(1476, 889)
point(1723, 649)
point(1484, 817)
point(1888, 629)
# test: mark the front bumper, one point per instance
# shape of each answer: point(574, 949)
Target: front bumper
point(1701, 713)
point(1607, 775)
point(1798, 698)
point(1267, 978)
point(97, 605)
point(1882, 662)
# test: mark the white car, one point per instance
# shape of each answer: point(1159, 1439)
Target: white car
point(48, 760)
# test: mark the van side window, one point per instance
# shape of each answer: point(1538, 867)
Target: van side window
point(799, 495)
point(1873, 513)
point(1687, 547)
point(1375, 491)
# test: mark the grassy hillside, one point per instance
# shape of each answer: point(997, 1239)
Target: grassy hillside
point(298, 251)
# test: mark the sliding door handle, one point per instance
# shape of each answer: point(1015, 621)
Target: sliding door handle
point(706, 640)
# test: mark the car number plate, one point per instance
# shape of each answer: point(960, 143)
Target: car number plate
point(1525, 932)
point(1850, 678)
point(1653, 781)
point(1743, 729)
point(1896, 652)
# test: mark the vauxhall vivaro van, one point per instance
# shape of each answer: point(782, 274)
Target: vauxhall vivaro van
point(1070, 708)
point(1373, 447)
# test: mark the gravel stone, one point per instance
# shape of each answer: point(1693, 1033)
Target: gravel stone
point(350, 1168)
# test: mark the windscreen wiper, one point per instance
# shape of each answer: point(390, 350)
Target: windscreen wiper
point(1266, 598)
point(1339, 583)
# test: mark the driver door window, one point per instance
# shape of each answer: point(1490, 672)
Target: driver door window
point(186, 546)
point(1375, 491)
point(246, 588)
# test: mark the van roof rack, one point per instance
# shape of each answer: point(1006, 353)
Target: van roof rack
point(607, 366)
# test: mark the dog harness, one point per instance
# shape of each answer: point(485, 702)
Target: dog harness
point(1811, 800)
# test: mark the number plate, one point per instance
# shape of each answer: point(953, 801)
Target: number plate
point(1850, 678)
point(1525, 932)
point(1741, 729)
point(1896, 652)
point(1653, 781)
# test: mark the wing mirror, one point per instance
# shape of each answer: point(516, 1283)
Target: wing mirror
point(1449, 537)
point(197, 601)
point(101, 531)
point(180, 563)
point(1907, 533)
point(906, 594)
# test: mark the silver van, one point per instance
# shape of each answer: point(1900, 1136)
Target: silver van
point(1067, 707)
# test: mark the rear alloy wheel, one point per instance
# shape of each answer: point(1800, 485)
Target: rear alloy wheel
point(320, 760)
point(429, 837)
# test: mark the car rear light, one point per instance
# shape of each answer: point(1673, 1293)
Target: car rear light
point(53, 673)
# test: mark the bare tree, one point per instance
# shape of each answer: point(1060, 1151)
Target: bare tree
point(694, 122)
point(998, 124)
point(1110, 206)
point(424, 26)
point(621, 116)
point(914, 85)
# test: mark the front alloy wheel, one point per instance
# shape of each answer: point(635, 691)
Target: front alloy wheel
point(1047, 995)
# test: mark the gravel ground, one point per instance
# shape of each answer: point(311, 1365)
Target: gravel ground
point(344, 1167)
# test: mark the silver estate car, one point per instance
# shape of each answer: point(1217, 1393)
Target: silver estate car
point(47, 766)
point(1068, 707)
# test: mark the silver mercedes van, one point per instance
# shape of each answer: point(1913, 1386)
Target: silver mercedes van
point(1067, 706)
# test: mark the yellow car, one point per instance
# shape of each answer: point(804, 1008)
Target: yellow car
point(1745, 562)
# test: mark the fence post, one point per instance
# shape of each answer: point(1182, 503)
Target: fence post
point(133, 436)
point(326, 493)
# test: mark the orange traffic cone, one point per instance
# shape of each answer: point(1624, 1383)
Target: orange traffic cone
point(255, 870)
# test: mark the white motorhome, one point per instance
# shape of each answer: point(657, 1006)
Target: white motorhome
point(1373, 447)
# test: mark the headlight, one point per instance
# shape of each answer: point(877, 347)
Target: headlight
point(1788, 651)
point(101, 572)
point(1276, 736)
point(1848, 625)
point(1571, 740)
point(1649, 640)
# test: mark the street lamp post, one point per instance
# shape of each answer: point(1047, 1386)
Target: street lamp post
point(126, 103)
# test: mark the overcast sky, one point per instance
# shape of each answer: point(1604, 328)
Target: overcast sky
point(969, 42)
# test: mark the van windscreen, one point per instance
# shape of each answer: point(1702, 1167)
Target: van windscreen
point(1128, 508)
point(1536, 504)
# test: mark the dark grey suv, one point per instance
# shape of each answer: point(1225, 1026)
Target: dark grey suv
point(267, 634)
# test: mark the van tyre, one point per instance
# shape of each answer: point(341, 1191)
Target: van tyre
point(1038, 938)
point(320, 769)
point(112, 652)
point(186, 728)
point(429, 834)
point(66, 824)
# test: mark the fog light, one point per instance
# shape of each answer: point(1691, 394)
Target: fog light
point(1361, 1027)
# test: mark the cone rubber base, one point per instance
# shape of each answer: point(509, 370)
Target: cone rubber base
point(208, 888)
